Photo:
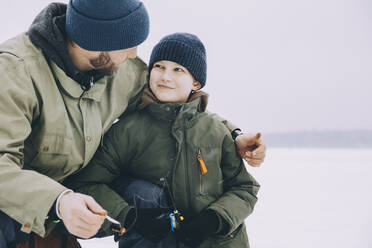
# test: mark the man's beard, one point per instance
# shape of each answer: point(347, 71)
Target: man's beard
point(99, 64)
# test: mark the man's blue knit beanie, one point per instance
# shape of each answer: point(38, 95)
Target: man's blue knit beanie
point(107, 25)
point(185, 49)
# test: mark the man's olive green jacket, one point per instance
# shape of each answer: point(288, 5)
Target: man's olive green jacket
point(49, 127)
point(165, 141)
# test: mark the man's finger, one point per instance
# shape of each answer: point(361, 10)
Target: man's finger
point(253, 155)
point(253, 163)
point(90, 218)
point(254, 160)
point(260, 149)
point(258, 160)
point(248, 154)
point(258, 157)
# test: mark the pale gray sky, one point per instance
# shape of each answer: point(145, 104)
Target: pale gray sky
point(272, 65)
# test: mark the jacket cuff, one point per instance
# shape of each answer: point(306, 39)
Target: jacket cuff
point(223, 226)
point(130, 219)
point(57, 202)
point(226, 224)
point(121, 215)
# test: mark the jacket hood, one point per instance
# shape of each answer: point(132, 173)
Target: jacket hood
point(48, 33)
point(149, 98)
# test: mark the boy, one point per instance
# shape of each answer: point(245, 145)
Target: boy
point(173, 143)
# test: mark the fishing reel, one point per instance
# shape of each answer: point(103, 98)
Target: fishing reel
point(175, 216)
point(175, 220)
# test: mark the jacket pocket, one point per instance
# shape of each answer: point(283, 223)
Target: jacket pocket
point(52, 154)
point(202, 170)
point(206, 172)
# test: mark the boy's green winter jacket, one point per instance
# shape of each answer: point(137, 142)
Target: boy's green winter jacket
point(164, 140)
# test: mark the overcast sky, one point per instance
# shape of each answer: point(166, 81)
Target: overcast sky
point(272, 65)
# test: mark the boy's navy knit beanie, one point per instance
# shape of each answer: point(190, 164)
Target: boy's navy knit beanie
point(185, 49)
point(107, 25)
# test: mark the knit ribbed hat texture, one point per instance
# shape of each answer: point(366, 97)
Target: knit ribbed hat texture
point(107, 25)
point(185, 49)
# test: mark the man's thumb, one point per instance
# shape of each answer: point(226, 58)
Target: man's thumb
point(93, 206)
point(257, 136)
point(252, 140)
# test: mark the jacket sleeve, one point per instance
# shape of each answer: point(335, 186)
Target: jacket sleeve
point(230, 126)
point(107, 164)
point(140, 72)
point(133, 103)
point(240, 188)
point(25, 195)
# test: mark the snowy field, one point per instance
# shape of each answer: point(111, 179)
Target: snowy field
point(309, 198)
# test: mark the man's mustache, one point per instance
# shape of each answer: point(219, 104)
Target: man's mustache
point(102, 60)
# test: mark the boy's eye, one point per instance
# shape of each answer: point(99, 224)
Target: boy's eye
point(158, 66)
point(178, 69)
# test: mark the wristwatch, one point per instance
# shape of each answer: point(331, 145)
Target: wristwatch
point(236, 133)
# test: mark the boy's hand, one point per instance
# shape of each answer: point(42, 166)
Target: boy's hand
point(81, 214)
point(195, 231)
point(153, 223)
point(251, 148)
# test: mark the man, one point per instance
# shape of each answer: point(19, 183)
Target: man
point(63, 83)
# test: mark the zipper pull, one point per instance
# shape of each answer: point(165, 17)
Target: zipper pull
point(203, 168)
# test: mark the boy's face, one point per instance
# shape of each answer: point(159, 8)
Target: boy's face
point(171, 82)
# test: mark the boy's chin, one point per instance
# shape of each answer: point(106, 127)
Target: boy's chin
point(170, 100)
point(166, 97)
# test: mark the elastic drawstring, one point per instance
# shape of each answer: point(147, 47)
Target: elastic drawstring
point(87, 86)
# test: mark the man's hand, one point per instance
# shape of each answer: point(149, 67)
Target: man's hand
point(81, 214)
point(251, 148)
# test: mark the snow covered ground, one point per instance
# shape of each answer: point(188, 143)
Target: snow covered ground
point(308, 198)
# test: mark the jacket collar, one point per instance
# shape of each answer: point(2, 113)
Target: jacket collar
point(73, 89)
point(148, 98)
point(47, 32)
point(178, 112)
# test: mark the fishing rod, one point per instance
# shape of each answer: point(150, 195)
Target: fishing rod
point(175, 215)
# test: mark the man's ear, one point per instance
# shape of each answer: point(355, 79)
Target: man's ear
point(197, 85)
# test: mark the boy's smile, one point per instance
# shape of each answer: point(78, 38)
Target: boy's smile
point(164, 86)
point(171, 82)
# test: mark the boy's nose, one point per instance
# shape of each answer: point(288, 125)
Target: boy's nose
point(166, 76)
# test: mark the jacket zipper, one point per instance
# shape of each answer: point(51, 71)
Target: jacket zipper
point(202, 168)
point(187, 173)
point(176, 164)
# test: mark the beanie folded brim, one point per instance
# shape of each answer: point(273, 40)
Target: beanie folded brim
point(107, 35)
point(183, 54)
